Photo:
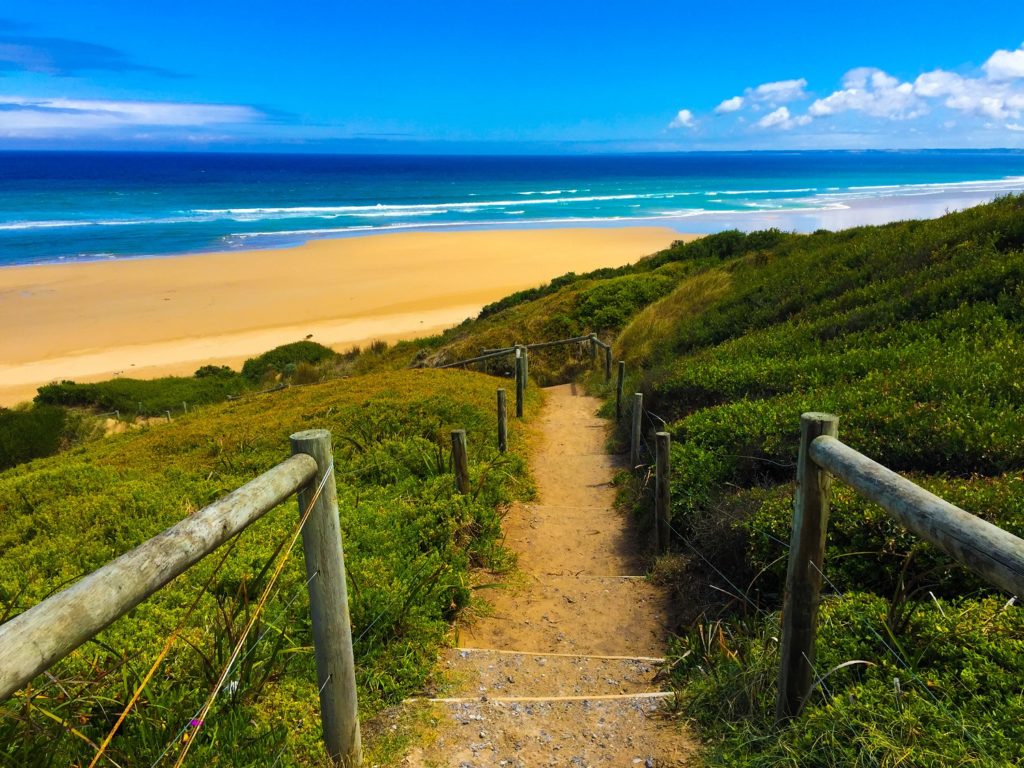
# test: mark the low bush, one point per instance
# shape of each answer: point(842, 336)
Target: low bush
point(30, 433)
point(144, 397)
point(278, 359)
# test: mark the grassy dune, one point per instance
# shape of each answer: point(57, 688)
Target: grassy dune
point(913, 333)
point(410, 542)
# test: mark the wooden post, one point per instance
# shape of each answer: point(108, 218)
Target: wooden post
point(526, 367)
point(607, 364)
point(460, 461)
point(803, 579)
point(663, 493)
point(184, 407)
point(593, 349)
point(520, 381)
point(168, 417)
point(502, 422)
point(618, 390)
point(328, 604)
point(638, 413)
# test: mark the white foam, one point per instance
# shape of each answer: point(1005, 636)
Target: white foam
point(763, 191)
point(400, 208)
point(57, 224)
point(550, 192)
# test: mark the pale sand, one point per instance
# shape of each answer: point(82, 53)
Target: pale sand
point(154, 317)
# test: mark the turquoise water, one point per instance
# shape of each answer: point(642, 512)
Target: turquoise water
point(68, 206)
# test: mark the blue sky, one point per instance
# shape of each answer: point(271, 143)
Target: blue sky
point(558, 75)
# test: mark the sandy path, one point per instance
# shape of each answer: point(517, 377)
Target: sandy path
point(564, 671)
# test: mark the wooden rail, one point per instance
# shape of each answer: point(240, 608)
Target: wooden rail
point(35, 640)
point(487, 354)
point(994, 554)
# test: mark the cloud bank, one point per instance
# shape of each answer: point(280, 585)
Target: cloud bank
point(25, 117)
point(990, 99)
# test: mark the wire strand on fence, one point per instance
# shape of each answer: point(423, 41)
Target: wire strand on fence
point(499, 352)
point(191, 722)
point(738, 592)
point(393, 602)
point(171, 639)
point(910, 670)
point(260, 605)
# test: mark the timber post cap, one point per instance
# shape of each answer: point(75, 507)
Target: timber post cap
point(310, 435)
point(818, 416)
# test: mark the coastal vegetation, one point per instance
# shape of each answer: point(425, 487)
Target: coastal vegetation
point(411, 544)
point(912, 333)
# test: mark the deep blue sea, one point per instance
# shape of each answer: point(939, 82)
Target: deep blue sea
point(70, 206)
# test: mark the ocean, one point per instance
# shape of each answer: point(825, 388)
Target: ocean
point(61, 206)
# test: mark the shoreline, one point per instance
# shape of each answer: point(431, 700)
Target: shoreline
point(164, 315)
point(856, 206)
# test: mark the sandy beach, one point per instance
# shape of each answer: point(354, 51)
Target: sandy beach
point(153, 317)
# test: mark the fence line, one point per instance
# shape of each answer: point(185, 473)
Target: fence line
point(42, 635)
point(488, 354)
point(993, 553)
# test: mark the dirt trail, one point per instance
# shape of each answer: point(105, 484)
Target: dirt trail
point(564, 669)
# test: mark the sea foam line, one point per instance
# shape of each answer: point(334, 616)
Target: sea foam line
point(684, 213)
point(403, 208)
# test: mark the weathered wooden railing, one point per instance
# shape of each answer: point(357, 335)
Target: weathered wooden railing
point(38, 638)
point(994, 554)
point(522, 363)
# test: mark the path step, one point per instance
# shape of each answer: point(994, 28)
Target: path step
point(622, 617)
point(503, 674)
point(621, 732)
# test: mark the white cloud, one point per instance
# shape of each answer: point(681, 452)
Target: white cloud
point(983, 102)
point(782, 119)
point(873, 92)
point(771, 94)
point(999, 101)
point(779, 92)
point(1005, 65)
point(730, 105)
point(23, 116)
point(683, 119)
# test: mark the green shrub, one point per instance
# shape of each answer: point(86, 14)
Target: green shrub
point(607, 305)
point(30, 434)
point(946, 692)
point(276, 360)
point(149, 397)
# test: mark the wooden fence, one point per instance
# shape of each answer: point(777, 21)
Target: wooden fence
point(521, 353)
point(994, 554)
point(38, 638)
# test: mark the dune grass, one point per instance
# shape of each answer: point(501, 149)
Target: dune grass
point(410, 542)
point(912, 334)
